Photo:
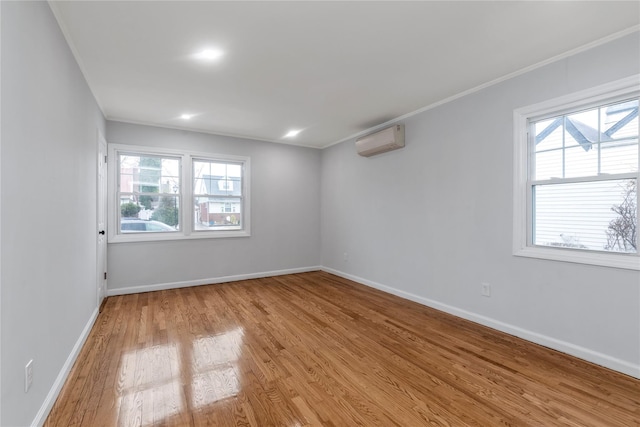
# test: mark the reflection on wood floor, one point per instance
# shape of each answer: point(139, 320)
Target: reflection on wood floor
point(315, 349)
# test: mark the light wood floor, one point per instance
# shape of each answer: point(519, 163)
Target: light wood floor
point(315, 349)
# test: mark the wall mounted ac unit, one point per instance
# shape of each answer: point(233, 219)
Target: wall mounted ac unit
point(382, 141)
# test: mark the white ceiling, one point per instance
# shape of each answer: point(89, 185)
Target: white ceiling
point(333, 69)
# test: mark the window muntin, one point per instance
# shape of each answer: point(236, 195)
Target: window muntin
point(148, 190)
point(218, 195)
point(583, 178)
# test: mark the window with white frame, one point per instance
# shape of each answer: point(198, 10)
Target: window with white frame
point(160, 194)
point(217, 194)
point(576, 169)
point(148, 193)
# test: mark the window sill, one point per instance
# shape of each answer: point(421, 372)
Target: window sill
point(162, 237)
point(624, 261)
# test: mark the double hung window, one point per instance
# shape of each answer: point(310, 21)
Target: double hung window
point(168, 194)
point(148, 193)
point(217, 194)
point(576, 196)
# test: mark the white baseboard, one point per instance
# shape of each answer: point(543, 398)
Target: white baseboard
point(209, 281)
point(42, 414)
point(562, 346)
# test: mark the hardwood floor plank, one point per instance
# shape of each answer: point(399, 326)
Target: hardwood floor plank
point(313, 349)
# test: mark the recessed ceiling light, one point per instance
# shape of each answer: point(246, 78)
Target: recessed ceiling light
point(292, 133)
point(186, 116)
point(209, 54)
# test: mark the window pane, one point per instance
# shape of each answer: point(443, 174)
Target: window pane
point(620, 121)
point(619, 154)
point(149, 174)
point(580, 161)
point(128, 175)
point(548, 164)
point(619, 157)
point(599, 215)
point(168, 211)
point(581, 129)
point(143, 213)
point(170, 176)
point(548, 134)
point(129, 207)
point(234, 170)
point(218, 213)
point(215, 178)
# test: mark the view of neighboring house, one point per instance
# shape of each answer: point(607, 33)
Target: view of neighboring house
point(221, 205)
point(146, 184)
point(595, 142)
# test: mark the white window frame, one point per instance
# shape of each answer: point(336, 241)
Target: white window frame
point(226, 160)
point(186, 213)
point(522, 198)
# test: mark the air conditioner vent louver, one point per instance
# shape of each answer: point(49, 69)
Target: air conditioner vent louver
point(387, 139)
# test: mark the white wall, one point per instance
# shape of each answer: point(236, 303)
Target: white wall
point(285, 217)
point(434, 220)
point(49, 123)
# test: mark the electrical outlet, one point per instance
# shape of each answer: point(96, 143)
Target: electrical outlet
point(28, 375)
point(345, 257)
point(486, 289)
